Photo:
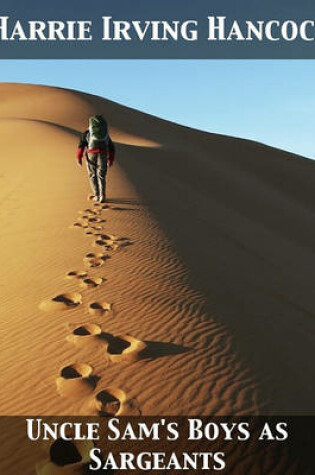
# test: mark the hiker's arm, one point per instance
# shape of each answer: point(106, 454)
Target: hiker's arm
point(111, 153)
point(81, 147)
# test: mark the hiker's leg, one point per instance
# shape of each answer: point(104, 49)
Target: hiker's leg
point(91, 163)
point(101, 174)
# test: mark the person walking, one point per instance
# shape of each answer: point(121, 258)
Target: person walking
point(99, 152)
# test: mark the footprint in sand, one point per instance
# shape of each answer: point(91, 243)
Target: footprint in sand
point(99, 308)
point(76, 274)
point(97, 205)
point(121, 347)
point(108, 245)
point(76, 381)
point(65, 456)
point(90, 283)
point(108, 237)
point(89, 329)
point(94, 263)
point(100, 206)
point(79, 224)
point(93, 259)
point(89, 212)
point(96, 220)
point(125, 348)
point(111, 242)
point(85, 335)
point(112, 237)
point(62, 302)
point(91, 231)
point(109, 401)
point(89, 221)
point(97, 230)
point(96, 255)
point(118, 348)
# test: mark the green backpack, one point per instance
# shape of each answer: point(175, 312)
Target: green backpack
point(98, 132)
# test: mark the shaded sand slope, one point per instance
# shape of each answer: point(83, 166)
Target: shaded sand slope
point(216, 279)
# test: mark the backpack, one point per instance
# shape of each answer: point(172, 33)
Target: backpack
point(98, 133)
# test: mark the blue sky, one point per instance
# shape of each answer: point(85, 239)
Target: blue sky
point(269, 101)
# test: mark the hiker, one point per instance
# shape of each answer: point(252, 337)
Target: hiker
point(99, 152)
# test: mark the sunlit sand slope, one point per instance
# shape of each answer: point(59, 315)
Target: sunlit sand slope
point(189, 293)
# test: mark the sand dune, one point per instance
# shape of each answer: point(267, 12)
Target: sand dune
point(190, 293)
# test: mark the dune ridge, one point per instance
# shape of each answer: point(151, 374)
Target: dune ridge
point(203, 255)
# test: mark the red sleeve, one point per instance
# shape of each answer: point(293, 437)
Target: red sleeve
point(112, 151)
point(80, 153)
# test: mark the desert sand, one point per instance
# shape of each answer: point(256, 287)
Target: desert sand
point(190, 292)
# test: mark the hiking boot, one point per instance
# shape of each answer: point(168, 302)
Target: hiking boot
point(96, 198)
point(102, 199)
